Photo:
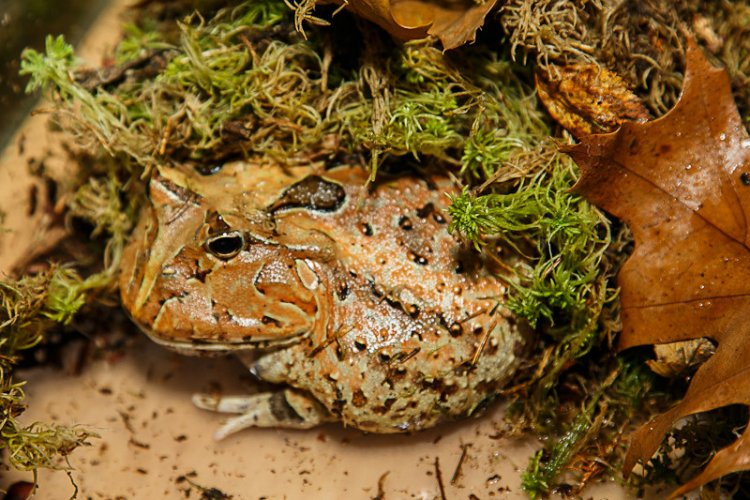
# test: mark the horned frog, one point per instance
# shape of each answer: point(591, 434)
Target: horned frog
point(354, 298)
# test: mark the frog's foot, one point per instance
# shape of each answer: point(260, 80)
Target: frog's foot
point(288, 409)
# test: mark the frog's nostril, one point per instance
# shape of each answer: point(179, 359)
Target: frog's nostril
point(268, 320)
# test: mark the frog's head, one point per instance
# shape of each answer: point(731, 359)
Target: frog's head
point(199, 276)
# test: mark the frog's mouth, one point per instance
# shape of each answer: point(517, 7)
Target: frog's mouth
point(190, 322)
point(201, 346)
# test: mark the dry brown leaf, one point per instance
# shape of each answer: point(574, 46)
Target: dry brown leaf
point(587, 99)
point(454, 23)
point(682, 184)
point(677, 359)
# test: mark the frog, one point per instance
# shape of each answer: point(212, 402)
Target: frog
point(351, 298)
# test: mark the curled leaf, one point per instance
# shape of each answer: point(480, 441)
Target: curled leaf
point(454, 23)
point(677, 359)
point(587, 99)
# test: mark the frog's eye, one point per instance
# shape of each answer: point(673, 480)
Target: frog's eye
point(226, 245)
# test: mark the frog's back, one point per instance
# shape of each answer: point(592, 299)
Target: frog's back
point(420, 333)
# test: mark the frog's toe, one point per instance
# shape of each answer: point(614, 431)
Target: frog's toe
point(285, 409)
point(223, 404)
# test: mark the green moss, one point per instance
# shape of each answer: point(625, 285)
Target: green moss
point(561, 281)
point(567, 237)
point(29, 307)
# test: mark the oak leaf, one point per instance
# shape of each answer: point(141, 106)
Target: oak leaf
point(682, 184)
point(454, 23)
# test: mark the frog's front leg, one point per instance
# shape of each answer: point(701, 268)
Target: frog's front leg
point(287, 408)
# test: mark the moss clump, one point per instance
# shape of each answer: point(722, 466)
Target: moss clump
point(564, 237)
point(234, 87)
point(29, 307)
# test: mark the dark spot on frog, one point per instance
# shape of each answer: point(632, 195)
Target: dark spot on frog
point(430, 183)
point(200, 274)
point(447, 391)
point(437, 385)
point(745, 179)
point(268, 320)
point(367, 229)
point(467, 260)
point(33, 199)
point(393, 302)
point(340, 353)
point(359, 399)
point(413, 311)
point(179, 296)
point(405, 223)
point(419, 259)
point(490, 348)
point(455, 329)
point(664, 149)
point(312, 192)
point(437, 217)
point(281, 409)
point(464, 368)
point(51, 187)
point(384, 357)
point(343, 291)
point(385, 408)
point(398, 374)
point(426, 210)
point(338, 404)
point(359, 345)
point(207, 170)
point(377, 290)
point(402, 357)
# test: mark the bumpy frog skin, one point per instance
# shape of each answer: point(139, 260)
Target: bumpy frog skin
point(355, 299)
